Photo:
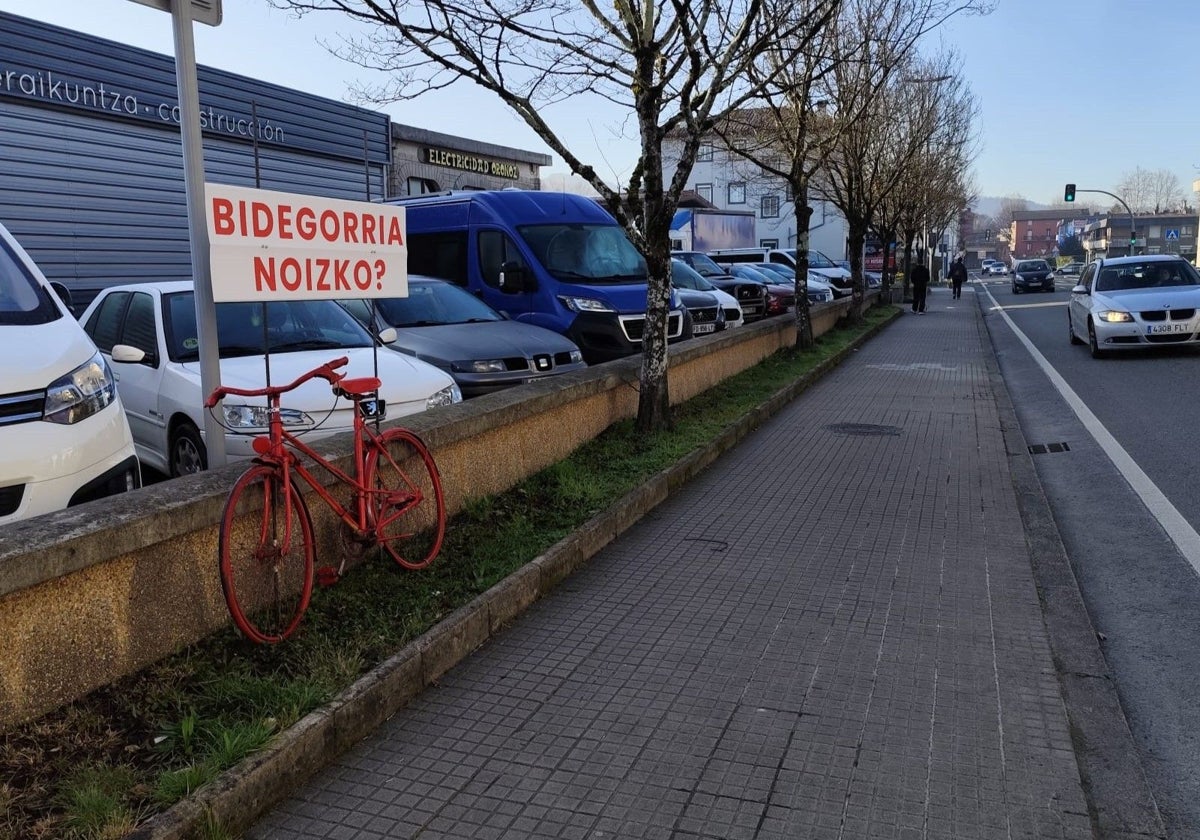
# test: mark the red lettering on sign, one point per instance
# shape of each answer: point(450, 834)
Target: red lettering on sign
point(394, 237)
point(350, 226)
point(262, 220)
point(285, 221)
point(306, 223)
point(222, 216)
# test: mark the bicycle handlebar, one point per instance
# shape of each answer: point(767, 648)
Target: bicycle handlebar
point(325, 371)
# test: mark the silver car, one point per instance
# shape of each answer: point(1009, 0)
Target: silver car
point(1130, 302)
point(448, 327)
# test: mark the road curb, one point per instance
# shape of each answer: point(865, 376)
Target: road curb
point(1120, 803)
point(239, 796)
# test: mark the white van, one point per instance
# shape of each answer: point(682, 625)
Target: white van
point(64, 438)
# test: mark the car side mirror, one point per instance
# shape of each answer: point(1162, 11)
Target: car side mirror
point(64, 294)
point(388, 335)
point(128, 354)
point(514, 279)
point(1080, 290)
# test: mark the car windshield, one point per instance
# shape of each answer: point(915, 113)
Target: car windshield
point(1155, 274)
point(23, 300)
point(290, 326)
point(744, 271)
point(818, 260)
point(784, 272)
point(1033, 265)
point(683, 276)
point(703, 264)
point(594, 253)
point(435, 304)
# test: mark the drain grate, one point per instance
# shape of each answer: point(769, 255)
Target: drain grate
point(1044, 448)
point(862, 429)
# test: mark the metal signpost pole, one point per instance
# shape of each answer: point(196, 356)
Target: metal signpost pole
point(193, 182)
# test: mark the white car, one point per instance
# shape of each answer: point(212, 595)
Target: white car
point(994, 267)
point(63, 436)
point(1130, 303)
point(148, 333)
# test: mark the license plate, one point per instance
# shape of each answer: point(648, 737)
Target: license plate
point(698, 329)
point(749, 310)
point(1160, 329)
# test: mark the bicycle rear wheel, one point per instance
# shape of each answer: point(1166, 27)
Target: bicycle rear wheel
point(267, 581)
point(408, 512)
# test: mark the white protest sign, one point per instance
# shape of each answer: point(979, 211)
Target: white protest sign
point(267, 245)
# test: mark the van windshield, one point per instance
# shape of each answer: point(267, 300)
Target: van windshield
point(23, 300)
point(591, 253)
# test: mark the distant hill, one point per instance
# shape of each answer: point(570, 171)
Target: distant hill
point(989, 205)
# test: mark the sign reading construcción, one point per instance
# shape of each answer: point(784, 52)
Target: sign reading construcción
point(267, 245)
point(472, 163)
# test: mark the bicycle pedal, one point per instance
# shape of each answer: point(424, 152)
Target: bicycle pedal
point(327, 576)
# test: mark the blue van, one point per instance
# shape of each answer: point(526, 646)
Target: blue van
point(556, 260)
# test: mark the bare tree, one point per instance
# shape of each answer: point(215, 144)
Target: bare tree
point(676, 65)
point(810, 99)
point(1150, 191)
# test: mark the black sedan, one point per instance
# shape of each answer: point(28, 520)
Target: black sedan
point(751, 296)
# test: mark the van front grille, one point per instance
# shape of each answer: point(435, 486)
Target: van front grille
point(22, 408)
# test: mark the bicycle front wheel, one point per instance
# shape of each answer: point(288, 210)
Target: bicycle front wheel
point(266, 561)
point(408, 512)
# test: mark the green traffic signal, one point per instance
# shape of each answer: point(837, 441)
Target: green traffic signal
point(1069, 193)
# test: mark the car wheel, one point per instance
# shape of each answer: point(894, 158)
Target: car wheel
point(1093, 345)
point(1016, 291)
point(187, 454)
point(1071, 330)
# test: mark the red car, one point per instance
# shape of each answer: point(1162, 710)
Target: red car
point(780, 296)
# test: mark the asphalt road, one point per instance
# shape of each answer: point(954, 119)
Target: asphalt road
point(1138, 579)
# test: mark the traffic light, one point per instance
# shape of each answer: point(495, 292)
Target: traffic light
point(1069, 193)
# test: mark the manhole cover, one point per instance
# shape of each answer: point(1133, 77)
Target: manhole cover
point(862, 429)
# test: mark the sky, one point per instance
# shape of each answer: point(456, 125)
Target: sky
point(1068, 92)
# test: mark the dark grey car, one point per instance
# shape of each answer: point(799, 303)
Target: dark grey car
point(483, 350)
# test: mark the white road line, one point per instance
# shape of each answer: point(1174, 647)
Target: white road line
point(1172, 521)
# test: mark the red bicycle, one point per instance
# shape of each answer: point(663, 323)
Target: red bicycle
point(266, 539)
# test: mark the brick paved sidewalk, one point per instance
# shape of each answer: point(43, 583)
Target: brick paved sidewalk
point(832, 633)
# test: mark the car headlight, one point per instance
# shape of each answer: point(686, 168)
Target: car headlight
point(85, 391)
point(1114, 317)
point(582, 304)
point(576, 356)
point(480, 366)
point(258, 416)
point(447, 396)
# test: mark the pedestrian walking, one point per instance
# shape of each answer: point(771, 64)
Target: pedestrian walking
point(920, 287)
point(958, 276)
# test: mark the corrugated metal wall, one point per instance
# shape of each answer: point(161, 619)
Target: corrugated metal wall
point(96, 195)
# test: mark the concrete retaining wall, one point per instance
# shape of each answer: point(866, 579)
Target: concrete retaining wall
point(94, 593)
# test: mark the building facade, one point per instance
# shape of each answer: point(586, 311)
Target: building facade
point(1034, 233)
point(729, 182)
point(1165, 233)
point(425, 161)
point(91, 160)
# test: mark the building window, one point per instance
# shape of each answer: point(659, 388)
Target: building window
point(1028, 236)
point(768, 243)
point(420, 186)
point(704, 191)
point(769, 207)
point(787, 192)
point(1186, 230)
point(737, 192)
point(704, 153)
point(1155, 232)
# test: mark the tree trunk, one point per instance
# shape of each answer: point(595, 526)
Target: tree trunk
point(804, 330)
point(857, 237)
point(654, 401)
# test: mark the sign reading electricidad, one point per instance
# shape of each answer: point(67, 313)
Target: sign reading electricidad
point(267, 245)
point(472, 163)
